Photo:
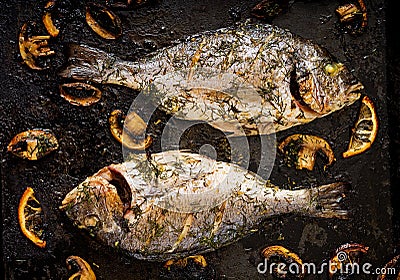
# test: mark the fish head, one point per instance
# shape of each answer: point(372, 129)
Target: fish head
point(320, 84)
point(98, 204)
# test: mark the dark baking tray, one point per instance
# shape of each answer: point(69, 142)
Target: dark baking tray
point(31, 99)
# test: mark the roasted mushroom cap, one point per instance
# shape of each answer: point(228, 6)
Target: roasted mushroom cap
point(33, 47)
point(80, 94)
point(301, 149)
point(129, 130)
point(98, 16)
point(282, 258)
point(33, 144)
point(353, 17)
point(345, 256)
point(48, 21)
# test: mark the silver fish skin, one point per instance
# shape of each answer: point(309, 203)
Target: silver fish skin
point(295, 80)
point(177, 204)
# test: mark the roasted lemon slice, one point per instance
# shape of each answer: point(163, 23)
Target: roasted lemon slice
point(30, 217)
point(365, 129)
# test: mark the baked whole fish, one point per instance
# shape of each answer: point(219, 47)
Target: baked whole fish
point(294, 80)
point(175, 204)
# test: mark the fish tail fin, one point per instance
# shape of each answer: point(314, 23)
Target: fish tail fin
point(326, 201)
point(91, 64)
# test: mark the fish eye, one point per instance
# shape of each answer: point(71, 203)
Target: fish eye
point(333, 69)
point(91, 221)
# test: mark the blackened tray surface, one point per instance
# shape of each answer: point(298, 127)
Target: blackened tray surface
point(31, 99)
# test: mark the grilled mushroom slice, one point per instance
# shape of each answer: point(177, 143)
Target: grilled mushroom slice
point(98, 16)
point(345, 255)
point(283, 258)
point(301, 149)
point(85, 272)
point(129, 130)
point(48, 20)
point(32, 47)
point(33, 144)
point(198, 259)
point(353, 17)
point(80, 94)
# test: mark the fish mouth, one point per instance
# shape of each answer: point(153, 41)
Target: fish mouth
point(102, 180)
point(69, 201)
point(116, 178)
point(353, 92)
point(84, 192)
point(343, 98)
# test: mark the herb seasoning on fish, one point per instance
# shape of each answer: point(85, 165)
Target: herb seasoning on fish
point(296, 80)
point(178, 204)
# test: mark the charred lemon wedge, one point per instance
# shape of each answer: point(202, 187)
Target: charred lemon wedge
point(30, 217)
point(365, 129)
